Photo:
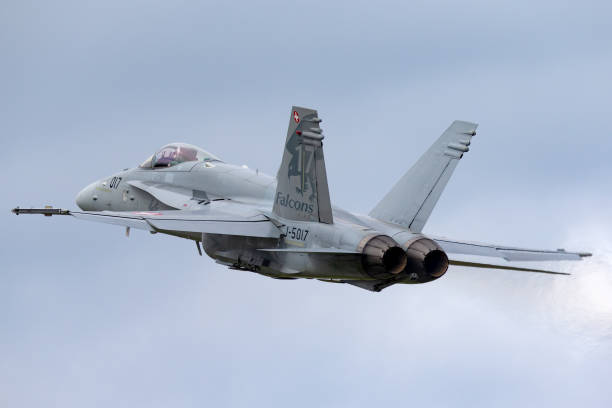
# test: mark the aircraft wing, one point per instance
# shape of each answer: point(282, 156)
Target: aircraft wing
point(209, 220)
point(506, 252)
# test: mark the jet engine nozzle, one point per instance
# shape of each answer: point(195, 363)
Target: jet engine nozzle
point(426, 261)
point(382, 256)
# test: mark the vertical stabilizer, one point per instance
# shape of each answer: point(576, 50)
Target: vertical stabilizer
point(302, 193)
point(411, 201)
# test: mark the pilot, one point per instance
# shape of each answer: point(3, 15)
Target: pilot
point(185, 154)
point(165, 157)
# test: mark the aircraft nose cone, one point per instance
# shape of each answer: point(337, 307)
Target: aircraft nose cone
point(81, 199)
point(85, 199)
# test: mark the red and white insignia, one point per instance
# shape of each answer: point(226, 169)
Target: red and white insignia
point(296, 117)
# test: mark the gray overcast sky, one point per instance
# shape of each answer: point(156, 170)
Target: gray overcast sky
point(90, 318)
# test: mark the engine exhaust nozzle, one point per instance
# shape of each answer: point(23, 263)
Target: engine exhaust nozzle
point(382, 256)
point(425, 259)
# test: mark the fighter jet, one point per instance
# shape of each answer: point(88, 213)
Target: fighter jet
point(286, 227)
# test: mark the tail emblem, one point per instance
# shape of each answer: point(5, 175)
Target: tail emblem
point(301, 192)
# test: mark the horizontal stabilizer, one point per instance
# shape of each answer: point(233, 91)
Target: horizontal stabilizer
point(378, 285)
point(371, 285)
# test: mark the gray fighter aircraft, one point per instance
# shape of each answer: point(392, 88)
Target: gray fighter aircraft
point(287, 228)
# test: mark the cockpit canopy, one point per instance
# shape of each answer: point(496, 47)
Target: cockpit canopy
point(176, 153)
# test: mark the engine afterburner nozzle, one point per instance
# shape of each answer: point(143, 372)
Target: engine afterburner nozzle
point(382, 256)
point(425, 258)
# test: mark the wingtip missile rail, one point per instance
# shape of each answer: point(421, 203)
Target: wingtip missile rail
point(47, 211)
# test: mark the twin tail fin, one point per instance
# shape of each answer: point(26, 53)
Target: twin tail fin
point(302, 193)
point(411, 201)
